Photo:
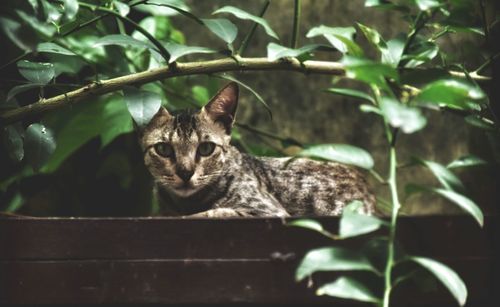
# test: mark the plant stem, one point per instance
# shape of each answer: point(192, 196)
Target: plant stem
point(296, 21)
point(249, 36)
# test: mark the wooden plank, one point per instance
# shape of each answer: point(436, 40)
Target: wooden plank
point(141, 238)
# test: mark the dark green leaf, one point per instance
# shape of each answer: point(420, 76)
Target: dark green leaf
point(244, 15)
point(445, 176)
point(348, 288)
point(342, 153)
point(275, 51)
point(331, 259)
point(447, 276)
point(340, 38)
point(467, 161)
point(21, 35)
point(39, 145)
point(53, 48)
point(452, 93)
point(223, 28)
point(351, 93)
point(355, 223)
point(176, 51)
point(408, 119)
point(70, 9)
point(39, 73)
point(46, 29)
point(142, 105)
point(13, 141)
point(21, 88)
point(421, 53)
point(463, 202)
point(368, 71)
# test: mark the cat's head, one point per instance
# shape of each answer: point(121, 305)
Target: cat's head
point(186, 152)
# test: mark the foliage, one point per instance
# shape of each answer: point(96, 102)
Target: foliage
point(67, 44)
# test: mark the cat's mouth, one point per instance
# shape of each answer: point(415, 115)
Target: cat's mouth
point(185, 189)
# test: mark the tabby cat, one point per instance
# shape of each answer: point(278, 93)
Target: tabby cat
point(198, 173)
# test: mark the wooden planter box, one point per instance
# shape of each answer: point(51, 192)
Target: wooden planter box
point(174, 261)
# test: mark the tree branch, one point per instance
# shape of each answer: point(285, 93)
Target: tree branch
point(33, 110)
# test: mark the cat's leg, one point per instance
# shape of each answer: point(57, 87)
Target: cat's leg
point(242, 211)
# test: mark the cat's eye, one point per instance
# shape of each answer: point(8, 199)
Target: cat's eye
point(206, 148)
point(164, 150)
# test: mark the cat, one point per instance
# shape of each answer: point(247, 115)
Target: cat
point(197, 172)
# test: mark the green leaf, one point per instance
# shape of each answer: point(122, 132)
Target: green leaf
point(200, 94)
point(392, 54)
point(164, 7)
point(142, 105)
point(348, 288)
point(427, 4)
point(39, 73)
point(368, 108)
point(176, 51)
point(368, 71)
point(20, 89)
point(451, 93)
point(421, 53)
point(223, 28)
point(447, 276)
point(39, 145)
point(351, 93)
point(244, 15)
point(123, 8)
point(463, 202)
point(122, 40)
point(44, 28)
point(480, 122)
point(21, 35)
point(13, 141)
point(53, 48)
point(449, 180)
point(408, 119)
point(308, 224)
point(331, 259)
point(70, 9)
point(275, 51)
point(340, 38)
point(354, 223)
point(342, 153)
point(467, 161)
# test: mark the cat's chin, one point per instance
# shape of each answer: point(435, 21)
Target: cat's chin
point(184, 191)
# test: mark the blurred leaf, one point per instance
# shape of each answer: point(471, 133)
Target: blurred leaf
point(52, 13)
point(447, 276)
point(427, 4)
point(452, 93)
point(463, 202)
point(142, 105)
point(20, 89)
point(239, 13)
point(200, 94)
point(331, 259)
point(467, 161)
point(373, 36)
point(368, 108)
point(46, 29)
point(340, 38)
point(421, 53)
point(275, 51)
point(348, 288)
point(408, 119)
point(21, 35)
point(39, 145)
point(386, 4)
point(308, 224)
point(392, 54)
point(341, 153)
point(70, 9)
point(354, 223)
point(480, 122)
point(368, 71)
point(39, 73)
point(351, 93)
point(13, 142)
point(123, 40)
point(449, 180)
point(53, 48)
point(176, 51)
point(223, 28)
point(123, 8)
point(163, 7)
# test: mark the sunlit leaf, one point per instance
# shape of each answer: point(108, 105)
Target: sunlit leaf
point(354, 223)
point(351, 93)
point(368, 71)
point(122, 8)
point(462, 201)
point(39, 145)
point(348, 288)
point(275, 51)
point(308, 224)
point(70, 9)
point(244, 15)
point(122, 40)
point(176, 51)
point(368, 108)
point(13, 142)
point(466, 161)
point(39, 73)
point(142, 105)
point(52, 12)
point(223, 28)
point(452, 93)
point(331, 259)
point(445, 176)
point(394, 51)
point(342, 153)
point(340, 38)
point(447, 276)
point(163, 7)
point(49, 47)
point(408, 119)
point(421, 53)
point(427, 4)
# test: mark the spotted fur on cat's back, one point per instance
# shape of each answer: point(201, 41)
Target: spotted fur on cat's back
point(197, 172)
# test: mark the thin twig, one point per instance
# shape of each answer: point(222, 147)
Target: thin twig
point(296, 22)
point(249, 35)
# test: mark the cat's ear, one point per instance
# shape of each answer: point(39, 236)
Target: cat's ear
point(222, 107)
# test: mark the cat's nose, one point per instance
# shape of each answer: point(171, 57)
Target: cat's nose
point(185, 174)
